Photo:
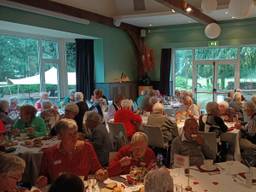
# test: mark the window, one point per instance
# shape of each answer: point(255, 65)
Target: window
point(71, 65)
point(215, 53)
point(50, 49)
point(183, 69)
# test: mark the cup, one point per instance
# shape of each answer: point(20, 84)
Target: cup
point(208, 163)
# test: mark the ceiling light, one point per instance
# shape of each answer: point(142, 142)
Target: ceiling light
point(226, 12)
point(173, 11)
point(150, 25)
point(188, 9)
point(233, 17)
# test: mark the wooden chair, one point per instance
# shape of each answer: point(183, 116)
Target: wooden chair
point(117, 135)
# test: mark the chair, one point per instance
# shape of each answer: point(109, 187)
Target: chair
point(112, 156)
point(210, 140)
point(155, 137)
point(117, 135)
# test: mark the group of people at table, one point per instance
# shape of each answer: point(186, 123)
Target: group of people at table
point(85, 143)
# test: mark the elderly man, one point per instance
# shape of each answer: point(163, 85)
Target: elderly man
point(99, 136)
point(137, 153)
point(71, 156)
point(79, 99)
point(158, 119)
point(158, 180)
point(191, 144)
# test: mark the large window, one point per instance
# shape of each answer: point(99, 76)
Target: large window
point(215, 53)
point(29, 65)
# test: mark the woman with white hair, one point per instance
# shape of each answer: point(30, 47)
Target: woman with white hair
point(83, 107)
point(158, 180)
point(135, 154)
point(130, 120)
point(226, 113)
point(11, 170)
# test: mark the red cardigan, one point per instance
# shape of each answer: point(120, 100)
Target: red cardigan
point(126, 117)
point(115, 168)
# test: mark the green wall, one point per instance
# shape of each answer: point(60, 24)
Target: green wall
point(115, 51)
point(192, 35)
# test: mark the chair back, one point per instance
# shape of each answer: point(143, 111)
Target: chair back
point(117, 135)
point(155, 136)
point(210, 140)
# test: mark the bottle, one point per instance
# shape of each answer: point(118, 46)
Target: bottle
point(159, 160)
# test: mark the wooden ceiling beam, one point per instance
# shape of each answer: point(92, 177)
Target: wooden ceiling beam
point(181, 6)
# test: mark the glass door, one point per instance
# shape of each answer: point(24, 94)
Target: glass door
point(213, 80)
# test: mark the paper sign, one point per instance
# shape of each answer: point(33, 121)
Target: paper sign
point(181, 161)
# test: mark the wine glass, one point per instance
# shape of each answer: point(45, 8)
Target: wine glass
point(187, 174)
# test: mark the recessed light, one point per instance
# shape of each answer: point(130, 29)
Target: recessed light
point(226, 12)
point(173, 11)
point(150, 25)
point(233, 17)
point(188, 9)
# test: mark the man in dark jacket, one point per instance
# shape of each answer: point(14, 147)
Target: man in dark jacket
point(99, 136)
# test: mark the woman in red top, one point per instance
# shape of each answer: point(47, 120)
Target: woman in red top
point(129, 119)
point(70, 156)
point(135, 154)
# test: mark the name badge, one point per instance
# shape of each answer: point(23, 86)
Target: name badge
point(57, 162)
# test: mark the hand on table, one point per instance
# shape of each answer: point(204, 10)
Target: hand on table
point(125, 161)
point(41, 182)
point(101, 175)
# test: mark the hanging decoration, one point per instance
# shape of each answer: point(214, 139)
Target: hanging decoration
point(212, 30)
point(147, 59)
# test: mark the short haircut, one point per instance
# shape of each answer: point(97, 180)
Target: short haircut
point(98, 92)
point(139, 137)
point(28, 109)
point(46, 104)
point(250, 105)
point(65, 124)
point(4, 104)
point(212, 108)
point(93, 116)
point(79, 96)
point(72, 107)
point(158, 180)
point(126, 103)
point(190, 123)
point(67, 183)
point(158, 108)
point(11, 163)
point(224, 103)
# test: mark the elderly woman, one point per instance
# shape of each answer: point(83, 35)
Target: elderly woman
point(137, 153)
point(99, 136)
point(71, 156)
point(226, 112)
point(189, 109)
point(158, 180)
point(43, 97)
point(158, 119)
point(248, 132)
point(11, 171)
point(130, 120)
point(237, 105)
point(4, 110)
point(29, 123)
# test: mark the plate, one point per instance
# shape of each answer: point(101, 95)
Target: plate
point(206, 168)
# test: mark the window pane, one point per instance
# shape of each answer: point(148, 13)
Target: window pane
point(226, 77)
point(71, 65)
point(51, 79)
point(183, 69)
point(215, 53)
point(19, 68)
point(248, 68)
point(50, 49)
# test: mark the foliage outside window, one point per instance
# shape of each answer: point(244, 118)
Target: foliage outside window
point(215, 53)
point(71, 64)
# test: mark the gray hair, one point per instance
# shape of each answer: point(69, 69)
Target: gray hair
point(158, 108)
point(65, 124)
point(158, 180)
point(126, 103)
point(250, 105)
point(139, 137)
point(10, 163)
point(79, 96)
point(72, 107)
point(93, 116)
point(224, 103)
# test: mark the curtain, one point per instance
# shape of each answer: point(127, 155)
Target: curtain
point(165, 68)
point(85, 67)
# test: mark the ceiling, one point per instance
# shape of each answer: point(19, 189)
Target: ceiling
point(155, 14)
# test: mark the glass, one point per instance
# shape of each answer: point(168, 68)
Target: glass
point(247, 68)
point(183, 69)
point(19, 68)
point(215, 53)
point(71, 65)
point(50, 49)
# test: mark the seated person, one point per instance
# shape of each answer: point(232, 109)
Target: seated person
point(248, 132)
point(4, 110)
point(82, 106)
point(158, 119)
point(70, 156)
point(212, 122)
point(99, 136)
point(114, 107)
point(43, 97)
point(158, 180)
point(130, 120)
point(99, 102)
point(191, 144)
point(230, 96)
point(237, 105)
point(71, 111)
point(29, 123)
point(226, 112)
point(188, 109)
point(137, 153)
point(11, 170)
point(67, 183)
point(14, 109)
point(69, 99)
